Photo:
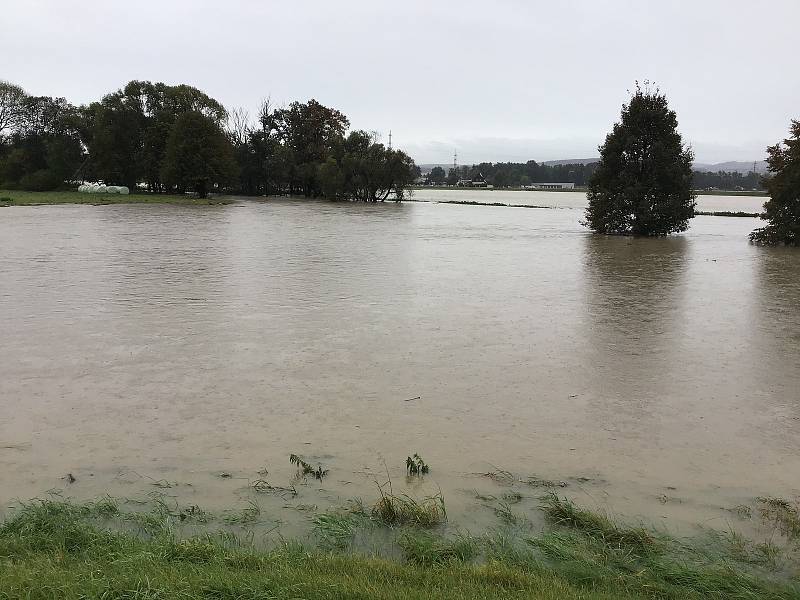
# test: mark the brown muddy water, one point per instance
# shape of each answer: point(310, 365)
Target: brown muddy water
point(152, 348)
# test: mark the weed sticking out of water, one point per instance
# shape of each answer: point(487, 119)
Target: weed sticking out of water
point(163, 484)
point(264, 487)
point(506, 515)
point(248, 515)
point(401, 509)
point(484, 497)
point(512, 497)
point(426, 549)
point(546, 483)
point(415, 466)
point(565, 513)
point(196, 514)
point(104, 508)
point(783, 514)
point(304, 468)
point(742, 511)
point(500, 476)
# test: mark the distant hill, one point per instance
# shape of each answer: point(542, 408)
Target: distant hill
point(732, 166)
point(571, 161)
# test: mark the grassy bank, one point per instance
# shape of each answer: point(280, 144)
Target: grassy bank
point(56, 549)
point(21, 198)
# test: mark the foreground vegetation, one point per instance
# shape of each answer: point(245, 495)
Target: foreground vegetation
point(56, 549)
point(23, 198)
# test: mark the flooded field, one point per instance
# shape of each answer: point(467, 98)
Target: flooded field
point(716, 203)
point(189, 351)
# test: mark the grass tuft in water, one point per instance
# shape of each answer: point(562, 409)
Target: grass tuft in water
point(248, 515)
point(401, 509)
point(565, 513)
point(783, 514)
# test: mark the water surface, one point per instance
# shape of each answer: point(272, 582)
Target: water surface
point(145, 344)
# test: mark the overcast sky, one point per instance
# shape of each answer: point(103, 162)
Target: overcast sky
point(496, 80)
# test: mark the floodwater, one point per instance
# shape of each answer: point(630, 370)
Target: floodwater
point(152, 348)
point(559, 199)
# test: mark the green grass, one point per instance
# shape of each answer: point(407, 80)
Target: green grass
point(562, 511)
point(49, 550)
point(53, 549)
point(426, 549)
point(21, 198)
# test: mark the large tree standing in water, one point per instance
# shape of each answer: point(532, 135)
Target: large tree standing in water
point(643, 183)
point(782, 210)
point(198, 155)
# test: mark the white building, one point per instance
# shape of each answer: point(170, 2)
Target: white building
point(550, 186)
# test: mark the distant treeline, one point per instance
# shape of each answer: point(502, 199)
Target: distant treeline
point(501, 175)
point(176, 138)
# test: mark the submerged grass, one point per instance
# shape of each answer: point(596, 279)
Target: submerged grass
point(50, 550)
point(785, 515)
point(55, 549)
point(336, 529)
point(564, 512)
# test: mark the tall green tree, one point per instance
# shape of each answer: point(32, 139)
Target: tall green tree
point(43, 147)
point(308, 131)
point(643, 182)
point(12, 107)
point(198, 155)
point(782, 210)
point(437, 175)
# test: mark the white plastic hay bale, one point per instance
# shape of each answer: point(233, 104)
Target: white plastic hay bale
point(101, 189)
point(112, 189)
point(81, 188)
point(124, 190)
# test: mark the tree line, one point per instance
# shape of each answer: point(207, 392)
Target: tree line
point(510, 174)
point(176, 138)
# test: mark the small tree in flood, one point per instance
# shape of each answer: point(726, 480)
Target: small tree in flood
point(782, 210)
point(643, 182)
point(198, 154)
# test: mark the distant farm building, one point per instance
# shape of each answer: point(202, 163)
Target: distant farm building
point(550, 186)
point(477, 181)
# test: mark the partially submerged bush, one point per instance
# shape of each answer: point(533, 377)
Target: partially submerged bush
point(416, 466)
point(304, 468)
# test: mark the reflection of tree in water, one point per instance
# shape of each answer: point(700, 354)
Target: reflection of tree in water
point(634, 304)
point(776, 334)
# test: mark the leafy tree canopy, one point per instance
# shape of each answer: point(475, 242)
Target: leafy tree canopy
point(643, 182)
point(782, 210)
point(198, 154)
